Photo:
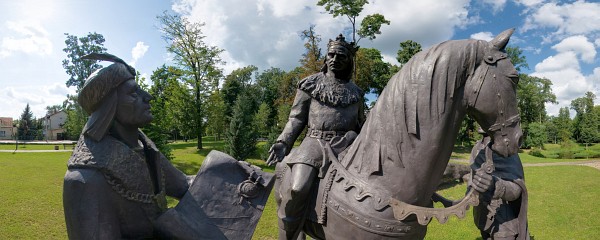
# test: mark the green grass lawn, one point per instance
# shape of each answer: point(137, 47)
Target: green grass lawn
point(562, 198)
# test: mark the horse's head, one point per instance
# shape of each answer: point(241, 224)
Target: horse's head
point(492, 99)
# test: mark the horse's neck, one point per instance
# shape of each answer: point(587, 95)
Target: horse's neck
point(408, 164)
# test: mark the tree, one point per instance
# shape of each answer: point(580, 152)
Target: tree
point(537, 135)
point(26, 128)
point(199, 60)
point(532, 94)
point(371, 70)
point(466, 134)
point(235, 83)
point(516, 57)
point(587, 120)
point(52, 109)
point(216, 118)
point(261, 118)
point(563, 124)
point(161, 127)
point(78, 70)
point(77, 47)
point(268, 83)
point(241, 136)
point(407, 50)
point(370, 25)
point(312, 59)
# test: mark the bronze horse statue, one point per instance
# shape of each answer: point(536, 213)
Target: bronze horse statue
point(406, 142)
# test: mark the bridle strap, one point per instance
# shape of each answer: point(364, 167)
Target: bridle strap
point(499, 126)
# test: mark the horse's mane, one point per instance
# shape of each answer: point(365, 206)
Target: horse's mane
point(419, 94)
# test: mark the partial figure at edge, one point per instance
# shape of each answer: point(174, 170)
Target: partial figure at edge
point(502, 211)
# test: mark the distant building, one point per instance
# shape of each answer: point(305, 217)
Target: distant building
point(7, 130)
point(54, 126)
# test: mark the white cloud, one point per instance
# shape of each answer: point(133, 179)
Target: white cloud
point(138, 52)
point(29, 37)
point(579, 17)
point(487, 36)
point(597, 42)
point(529, 3)
point(59, 89)
point(497, 5)
point(578, 44)
point(265, 33)
point(16, 98)
point(568, 82)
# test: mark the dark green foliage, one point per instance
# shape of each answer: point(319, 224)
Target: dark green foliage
point(76, 118)
point(76, 47)
point(164, 83)
point(78, 70)
point(407, 50)
point(371, 71)
point(532, 95)
point(241, 137)
point(516, 57)
point(235, 83)
point(216, 120)
point(371, 25)
point(586, 124)
point(537, 135)
point(27, 129)
point(536, 153)
point(467, 132)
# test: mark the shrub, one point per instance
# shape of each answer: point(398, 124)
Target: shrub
point(536, 153)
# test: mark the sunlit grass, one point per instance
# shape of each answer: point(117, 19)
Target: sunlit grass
point(562, 198)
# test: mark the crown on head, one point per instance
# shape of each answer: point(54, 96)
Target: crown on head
point(340, 40)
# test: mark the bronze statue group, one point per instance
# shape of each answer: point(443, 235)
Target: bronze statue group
point(117, 181)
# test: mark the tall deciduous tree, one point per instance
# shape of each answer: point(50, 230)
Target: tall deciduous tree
point(563, 124)
point(235, 83)
point(77, 47)
point(516, 57)
point(587, 121)
point(370, 25)
point(199, 60)
point(216, 119)
point(371, 70)
point(407, 50)
point(159, 130)
point(78, 70)
point(532, 94)
point(268, 84)
point(537, 135)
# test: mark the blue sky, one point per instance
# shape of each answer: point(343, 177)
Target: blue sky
point(560, 39)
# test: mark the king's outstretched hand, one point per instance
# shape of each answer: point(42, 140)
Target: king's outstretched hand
point(276, 153)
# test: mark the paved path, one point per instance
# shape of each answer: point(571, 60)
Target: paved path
point(28, 151)
point(595, 163)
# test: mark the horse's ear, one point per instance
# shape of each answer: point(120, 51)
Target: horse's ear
point(500, 41)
